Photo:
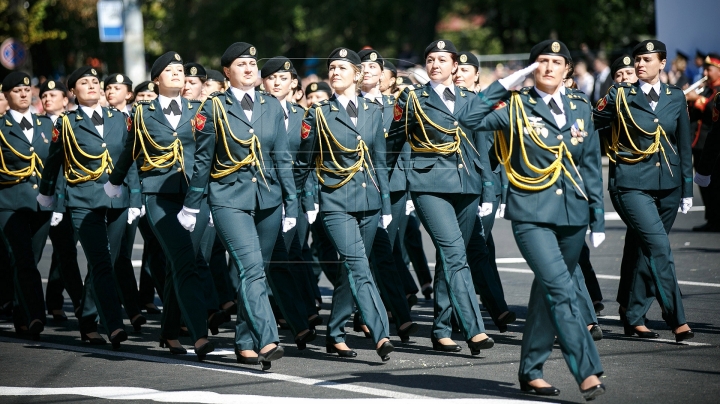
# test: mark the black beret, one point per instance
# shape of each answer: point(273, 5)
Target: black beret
point(440, 46)
point(148, 86)
point(622, 62)
point(163, 61)
point(649, 46)
point(117, 78)
point(390, 66)
point(344, 54)
point(682, 55)
point(277, 64)
point(238, 50)
point(50, 85)
point(193, 69)
point(371, 55)
point(468, 58)
point(15, 79)
point(84, 71)
point(319, 86)
point(549, 47)
point(215, 75)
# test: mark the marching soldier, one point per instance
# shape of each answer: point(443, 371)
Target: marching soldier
point(85, 145)
point(650, 177)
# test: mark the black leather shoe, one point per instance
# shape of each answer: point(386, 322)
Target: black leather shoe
point(598, 308)
point(427, 292)
point(173, 350)
point(596, 332)
point(684, 335)
point(540, 391)
point(138, 323)
point(412, 301)
point(357, 325)
point(271, 355)
point(508, 319)
point(246, 360)
point(216, 320)
point(475, 347)
point(343, 353)
point(406, 332)
point(384, 351)
point(94, 340)
point(591, 393)
point(630, 331)
point(437, 346)
point(203, 350)
point(116, 339)
point(307, 337)
point(35, 327)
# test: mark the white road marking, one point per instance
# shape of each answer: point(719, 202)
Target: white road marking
point(209, 397)
point(510, 260)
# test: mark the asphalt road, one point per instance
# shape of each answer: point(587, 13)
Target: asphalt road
point(59, 368)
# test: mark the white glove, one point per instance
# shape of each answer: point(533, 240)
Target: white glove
point(409, 207)
point(597, 239)
point(385, 221)
point(288, 223)
point(187, 219)
point(45, 201)
point(702, 180)
point(211, 223)
point(685, 205)
point(113, 191)
point(56, 219)
point(312, 214)
point(142, 211)
point(133, 213)
point(518, 77)
point(485, 209)
point(501, 211)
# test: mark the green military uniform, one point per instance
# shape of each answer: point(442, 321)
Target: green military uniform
point(651, 171)
point(550, 205)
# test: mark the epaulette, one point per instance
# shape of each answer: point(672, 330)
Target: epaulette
point(524, 90)
point(575, 95)
point(675, 90)
point(623, 84)
point(111, 108)
point(463, 88)
point(143, 102)
point(215, 94)
point(198, 101)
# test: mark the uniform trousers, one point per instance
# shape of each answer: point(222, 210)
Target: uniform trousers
point(591, 283)
point(125, 273)
point(64, 270)
point(152, 271)
point(327, 255)
point(301, 269)
point(412, 241)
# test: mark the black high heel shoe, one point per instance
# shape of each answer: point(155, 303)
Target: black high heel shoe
point(591, 393)
point(301, 342)
point(427, 292)
point(405, 333)
point(631, 330)
point(509, 318)
point(475, 347)
point(412, 301)
point(343, 353)
point(384, 351)
point(203, 350)
point(684, 335)
point(266, 358)
point(173, 350)
point(216, 320)
point(596, 332)
point(139, 321)
point(92, 340)
point(540, 391)
point(245, 360)
point(599, 307)
point(116, 339)
point(357, 325)
point(437, 346)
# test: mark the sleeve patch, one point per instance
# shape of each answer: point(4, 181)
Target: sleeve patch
point(305, 130)
point(55, 135)
point(397, 112)
point(200, 121)
point(499, 105)
point(602, 103)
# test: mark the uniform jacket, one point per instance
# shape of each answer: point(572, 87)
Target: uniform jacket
point(246, 188)
point(306, 193)
point(653, 172)
point(91, 194)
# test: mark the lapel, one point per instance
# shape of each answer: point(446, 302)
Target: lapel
point(232, 106)
point(14, 128)
point(460, 99)
point(110, 121)
point(638, 99)
point(258, 107)
point(86, 122)
point(187, 113)
point(541, 109)
point(43, 132)
point(294, 117)
point(569, 112)
point(158, 114)
point(434, 101)
point(664, 99)
point(341, 114)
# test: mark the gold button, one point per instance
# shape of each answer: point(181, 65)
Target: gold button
point(179, 169)
point(559, 137)
point(364, 185)
point(103, 145)
point(251, 130)
point(32, 149)
point(359, 137)
point(254, 179)
point(656, 120)
point(460, 166)
point(362, 169)
point(33, 174)
point(35, 186)
point(386, 135)
point(556, 155)
point(657, 164)
point(252, 164)
point(175, 134)
point(558, 192)
point(455, 123)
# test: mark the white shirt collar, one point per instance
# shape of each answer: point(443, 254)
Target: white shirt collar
point(372, 97)
point(240, 94)
point(53, 118)
point(557, 97)
point(165, 101)
point(344, 100)
point(18, 116)
point(645, 87)
point(440, 88)
point(89, 111)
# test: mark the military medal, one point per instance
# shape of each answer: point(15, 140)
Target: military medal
point(43, 136)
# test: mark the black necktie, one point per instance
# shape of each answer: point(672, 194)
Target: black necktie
point(351, 109)
point(554, 107)
point(652, 96)
point(285, 113)
point(448, 95)
point(97, 120)
point(246, 103)
point(173, 109)
point(25, 124)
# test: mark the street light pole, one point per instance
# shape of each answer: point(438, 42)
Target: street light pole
point(134, 44)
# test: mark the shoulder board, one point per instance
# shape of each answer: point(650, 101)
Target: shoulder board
point(463, 88)
point(623, 84)
point(524, 90)
point(143, 102)
point(111, 108)
point(215, 94)
point(197, 101)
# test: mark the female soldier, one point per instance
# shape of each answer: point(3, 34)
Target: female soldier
point(651, 175)
point(248, 174)
point(86, 143)
point(468, 72)
point(161, 136)
point(215, 82)
point(343, 139)
point(546, 141)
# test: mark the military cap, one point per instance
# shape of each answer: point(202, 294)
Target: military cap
point(148, 86)
point(712, 59)
point(344, 54)
point(371, 55)
point(50, 85)
point(318, 86)
point(468, 58)
point(238, 50)
point(622, 62)
point(649, 46)
point(164, 61)
point(117, 78)
point(682, 55)
point(549, 47)
point(440, 46)
point(277, 64)
point(390, 66)
point(215, 75)
point(15, 79)
point(85, 71)
point(193, 69)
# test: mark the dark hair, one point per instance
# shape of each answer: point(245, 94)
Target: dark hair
point(662, 55)
point(571, 70)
